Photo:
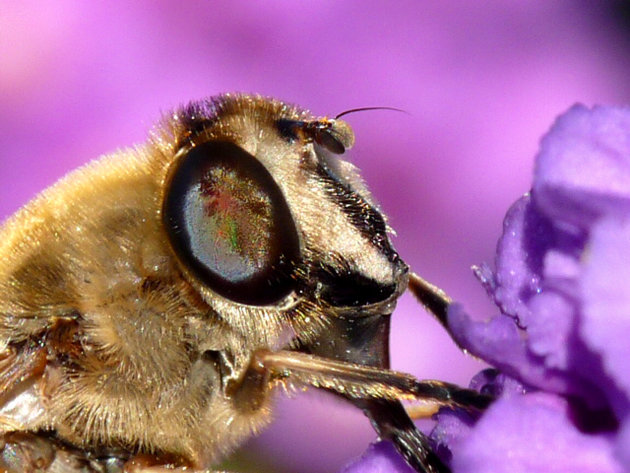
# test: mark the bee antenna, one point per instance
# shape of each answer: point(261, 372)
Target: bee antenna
point(363, 109)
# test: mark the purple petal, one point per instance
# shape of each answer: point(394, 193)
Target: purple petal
point(622, 446)
point(536, 265)
point(532, 433)
point(451, 426)
point(380, 457)
point(583, 170)
point(454, 425)
point(500, 343)
point(496, 384)
point(551, 309)
point(561, 283)
point(519, 266)
point(606, 304)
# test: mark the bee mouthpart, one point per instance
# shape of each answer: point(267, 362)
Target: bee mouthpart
point(362, 340)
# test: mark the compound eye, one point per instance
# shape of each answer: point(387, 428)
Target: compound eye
point(230, 225)
point(332, 143)
point(336, 136)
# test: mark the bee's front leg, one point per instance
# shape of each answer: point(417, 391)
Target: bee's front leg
point(23, 452)
point(148, 464)
point(376, 390)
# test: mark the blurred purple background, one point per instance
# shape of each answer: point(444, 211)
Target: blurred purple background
point(481, 85)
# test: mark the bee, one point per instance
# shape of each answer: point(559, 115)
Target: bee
point(153, 300)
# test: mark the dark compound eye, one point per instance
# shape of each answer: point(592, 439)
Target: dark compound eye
point(334, 135)
point(230, 225)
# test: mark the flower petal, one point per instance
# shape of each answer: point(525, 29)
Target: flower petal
point(380, 457)
point(606, 305)
point(583, 170)
point(518, 262)
point(532, 433)
point(499, 342)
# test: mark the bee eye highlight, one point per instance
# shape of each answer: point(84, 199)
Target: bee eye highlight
point(230, 225)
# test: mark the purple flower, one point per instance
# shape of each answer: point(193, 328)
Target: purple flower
point(380, 457)
point(560, 344)
point(561, 284)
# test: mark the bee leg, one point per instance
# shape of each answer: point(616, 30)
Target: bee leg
point(376, 391)
point(17, 366)
point(392, 423)
point(350, 380)
point(170, 469)
point(154, 464)
point(431, 297)
point(22, 452)
point(146, 464)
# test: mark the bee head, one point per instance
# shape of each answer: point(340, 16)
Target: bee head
point(270, 223)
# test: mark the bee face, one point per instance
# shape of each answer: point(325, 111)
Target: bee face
point(258, 213)
point(152, 300)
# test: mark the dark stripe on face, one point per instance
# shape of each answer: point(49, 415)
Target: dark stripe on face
point(360, 213)
point(341, 287)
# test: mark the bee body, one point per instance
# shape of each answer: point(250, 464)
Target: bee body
point(152, 299)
